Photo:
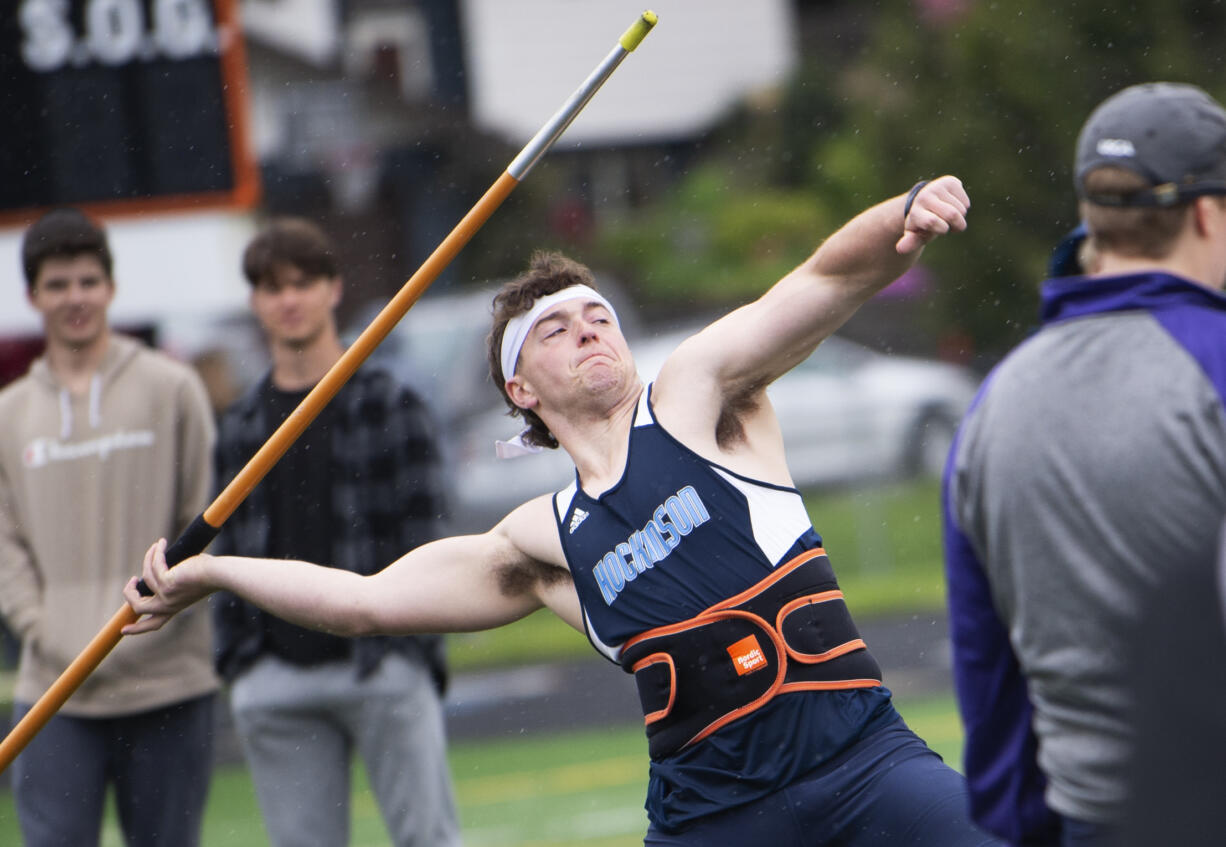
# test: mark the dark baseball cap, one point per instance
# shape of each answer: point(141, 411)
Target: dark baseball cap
point(1171, 134)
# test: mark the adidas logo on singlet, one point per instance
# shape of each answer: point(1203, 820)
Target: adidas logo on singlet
point(577, 517)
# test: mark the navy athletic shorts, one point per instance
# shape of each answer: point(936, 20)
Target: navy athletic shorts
point(889, 790)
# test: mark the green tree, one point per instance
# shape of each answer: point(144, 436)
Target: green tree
point(997, 96)
point(994, 93)
point(717, 238)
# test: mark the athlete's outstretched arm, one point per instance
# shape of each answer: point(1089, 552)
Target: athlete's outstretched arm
point(749, 348)
point(451, 585)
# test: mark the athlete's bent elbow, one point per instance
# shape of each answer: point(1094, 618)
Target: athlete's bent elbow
point(358, 612)
point(365, 621)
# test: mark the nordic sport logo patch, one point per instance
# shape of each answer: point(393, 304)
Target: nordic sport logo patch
point(747, 655)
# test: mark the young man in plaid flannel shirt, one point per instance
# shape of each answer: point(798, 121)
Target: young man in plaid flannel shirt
point(360, 486)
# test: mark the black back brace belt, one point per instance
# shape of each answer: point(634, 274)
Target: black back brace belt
point(790, 632)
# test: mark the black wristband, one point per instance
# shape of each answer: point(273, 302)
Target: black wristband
point(915, 189)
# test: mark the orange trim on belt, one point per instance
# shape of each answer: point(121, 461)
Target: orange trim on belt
point(758, 587)
point(767, 695)
point(701, 619)
point(829, 686)
point(717, 611)
point(655, 659)
point(815, 658)
point(722, 611)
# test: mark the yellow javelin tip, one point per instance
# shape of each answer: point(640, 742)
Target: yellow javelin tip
point(638, 31)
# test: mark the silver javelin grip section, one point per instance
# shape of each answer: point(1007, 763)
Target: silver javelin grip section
point(549, 133)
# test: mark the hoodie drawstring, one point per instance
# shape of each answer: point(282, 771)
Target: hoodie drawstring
point(95, 407)
point(95, 401)
point(65, 414)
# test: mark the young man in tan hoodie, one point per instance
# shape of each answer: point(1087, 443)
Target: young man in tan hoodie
point(103, 443)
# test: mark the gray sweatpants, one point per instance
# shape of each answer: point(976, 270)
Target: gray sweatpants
point(300, 726)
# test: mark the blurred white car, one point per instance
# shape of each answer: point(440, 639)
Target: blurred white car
point(848, 413)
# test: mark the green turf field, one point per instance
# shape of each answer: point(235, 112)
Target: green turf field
point(580, 789)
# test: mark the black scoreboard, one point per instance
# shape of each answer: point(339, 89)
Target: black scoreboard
point(116, 104)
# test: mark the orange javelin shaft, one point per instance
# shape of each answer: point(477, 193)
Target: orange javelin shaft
point(197, 536)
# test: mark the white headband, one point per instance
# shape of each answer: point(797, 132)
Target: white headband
point(518, 327)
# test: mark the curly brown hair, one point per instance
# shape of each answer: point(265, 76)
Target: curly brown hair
point(547, 272)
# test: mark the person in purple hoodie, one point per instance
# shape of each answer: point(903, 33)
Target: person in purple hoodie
point(1089, 477)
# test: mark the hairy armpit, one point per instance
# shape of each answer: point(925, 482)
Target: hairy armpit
point(520, 578)
point(730, 428)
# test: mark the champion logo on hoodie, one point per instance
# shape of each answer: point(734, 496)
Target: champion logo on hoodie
point(43, 451)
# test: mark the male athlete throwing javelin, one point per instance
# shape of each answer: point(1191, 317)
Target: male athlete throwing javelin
point(682, 549)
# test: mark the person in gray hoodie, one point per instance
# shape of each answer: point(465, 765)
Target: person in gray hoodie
point(1084, 495)
point(102, 443)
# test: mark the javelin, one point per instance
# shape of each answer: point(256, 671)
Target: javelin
point(206, 526)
